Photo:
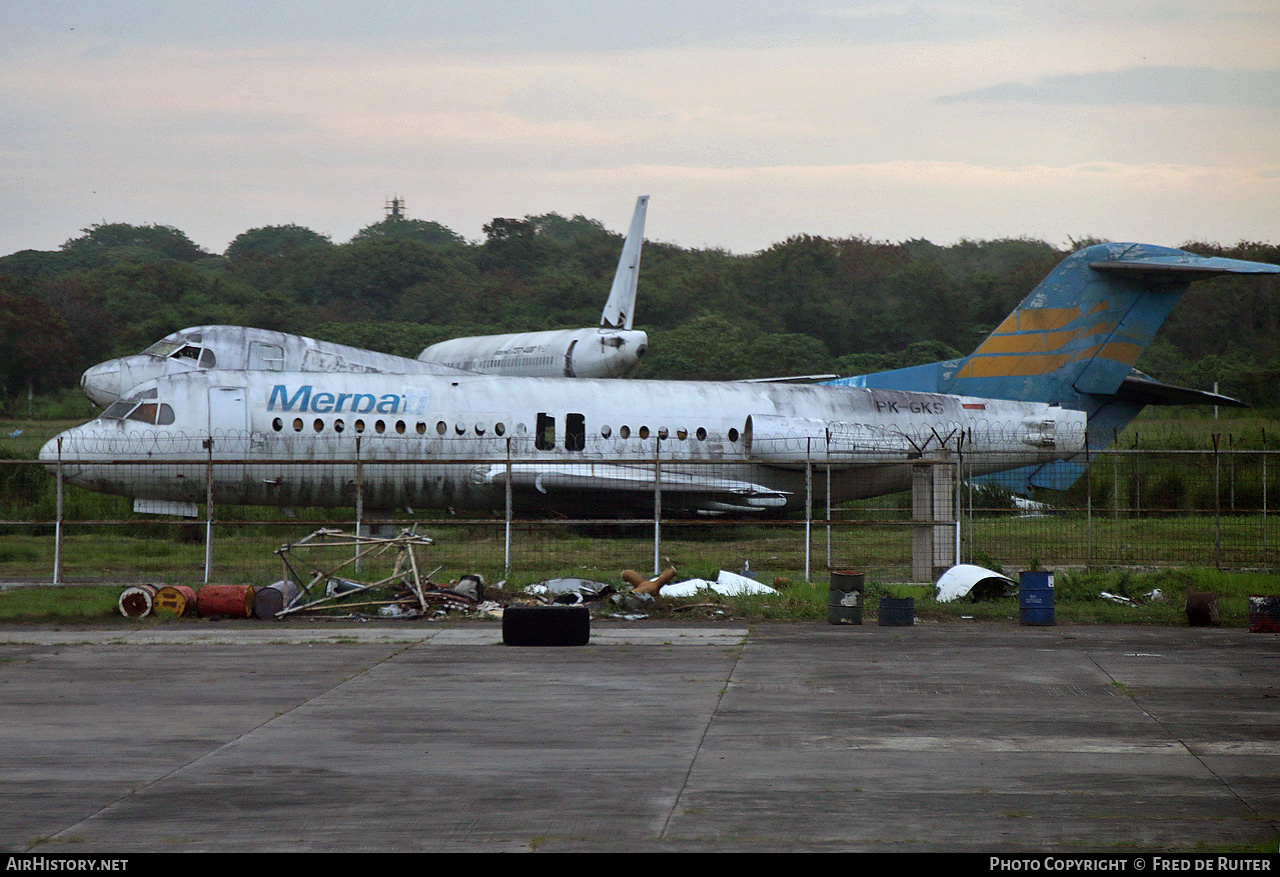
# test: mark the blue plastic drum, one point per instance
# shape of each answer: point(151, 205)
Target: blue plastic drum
point(1035, 598)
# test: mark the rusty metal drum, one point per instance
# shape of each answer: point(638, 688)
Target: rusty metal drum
point(235, 601)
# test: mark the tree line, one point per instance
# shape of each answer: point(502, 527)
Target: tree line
point(802, 306)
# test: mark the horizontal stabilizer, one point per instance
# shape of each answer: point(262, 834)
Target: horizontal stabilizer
point(1146, 390)
point(1057, 475)
point(1184, 265)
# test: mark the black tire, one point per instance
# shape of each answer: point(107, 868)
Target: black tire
point(553, 625)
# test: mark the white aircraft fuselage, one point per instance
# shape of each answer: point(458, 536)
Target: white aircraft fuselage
point(557, 353)
point(583, 446)
point(240, 348)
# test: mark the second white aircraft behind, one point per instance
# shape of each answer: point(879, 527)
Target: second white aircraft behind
point(612, 350)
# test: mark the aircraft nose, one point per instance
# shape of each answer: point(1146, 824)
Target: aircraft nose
point(101, 383)
point(49, 452)
point(71, 462)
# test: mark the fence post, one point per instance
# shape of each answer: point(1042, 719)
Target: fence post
point(1231, 475)
point(808, 504)
point(1217, 502)
point(359, 499)
point(1088, 501)
point(506, 547)
point(828, 480)
point(1115, 499)
point(657, 503)
point(957, 507)
point(1137, 479)
point(57, 527)
point(969, 490)
point(208, 512)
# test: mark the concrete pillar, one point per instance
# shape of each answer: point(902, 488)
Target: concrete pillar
point(933, 510)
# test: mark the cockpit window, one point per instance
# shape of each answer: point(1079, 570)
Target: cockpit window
point(118, 410)
point(163, 347)
point(144, 413)
point(159, 414)
point(203, 357)
point(156, 413)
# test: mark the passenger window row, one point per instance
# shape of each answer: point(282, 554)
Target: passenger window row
point(575, 438)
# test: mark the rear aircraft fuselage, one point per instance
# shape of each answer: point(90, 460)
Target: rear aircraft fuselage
point(587, 445)
point(569, 353)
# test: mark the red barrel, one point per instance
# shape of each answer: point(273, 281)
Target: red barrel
point(233, 600)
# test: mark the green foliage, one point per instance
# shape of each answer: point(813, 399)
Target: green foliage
point(420, 231)
point(805, 305)
point(557, 228)
point(66, 404)
point(274, 241)
point(35, 350)
point(102, 244)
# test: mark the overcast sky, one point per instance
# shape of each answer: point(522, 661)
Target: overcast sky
point(746, 121)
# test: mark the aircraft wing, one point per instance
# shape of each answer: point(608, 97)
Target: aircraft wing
point(713, 494)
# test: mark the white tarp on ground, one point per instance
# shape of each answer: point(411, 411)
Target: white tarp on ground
point(728, 584)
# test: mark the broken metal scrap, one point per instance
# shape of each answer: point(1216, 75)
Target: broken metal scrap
point(411, 587)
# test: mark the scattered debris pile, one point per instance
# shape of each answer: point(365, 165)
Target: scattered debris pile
point(1153, 596)
point(332, 583)
point(727, 584)
point(323, 579)
point(332, 561)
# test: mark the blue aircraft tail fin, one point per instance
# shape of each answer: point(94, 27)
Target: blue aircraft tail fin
point(1075, 339)
point(1080, 332)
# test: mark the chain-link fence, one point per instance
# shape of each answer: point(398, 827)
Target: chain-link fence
point(518, 518)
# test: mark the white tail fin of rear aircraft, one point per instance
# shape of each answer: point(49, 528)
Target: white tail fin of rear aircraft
point(619, 310)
